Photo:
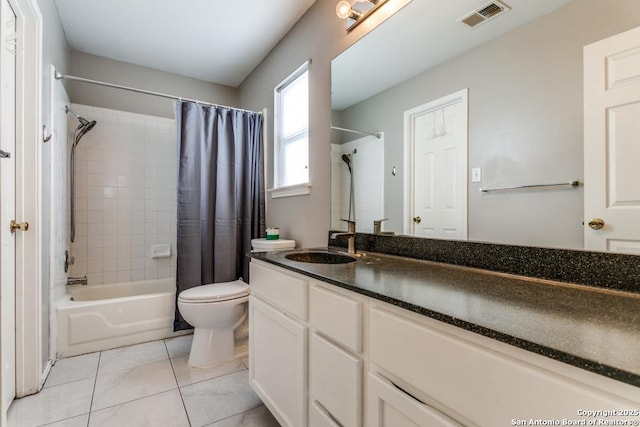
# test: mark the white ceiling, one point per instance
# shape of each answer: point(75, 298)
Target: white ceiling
point(423, 34)
point(220, 41)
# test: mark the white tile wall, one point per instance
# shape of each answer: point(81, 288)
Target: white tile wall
point(368, 173)
point(126, 174)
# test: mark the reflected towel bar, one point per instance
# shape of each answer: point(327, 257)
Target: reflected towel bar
point(573, 184)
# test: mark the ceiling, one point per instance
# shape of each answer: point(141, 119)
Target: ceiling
point(219, 41)
point(422, 35)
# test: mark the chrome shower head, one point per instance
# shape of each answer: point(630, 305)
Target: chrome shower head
point(85, 127)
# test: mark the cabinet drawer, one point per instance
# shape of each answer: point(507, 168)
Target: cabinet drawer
point(335, 381)
point(475, 382)
point(338, 316)
point(389, 406)
point(318, 416)
point(285, 291)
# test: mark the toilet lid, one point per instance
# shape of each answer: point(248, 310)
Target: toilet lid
point(215, 292)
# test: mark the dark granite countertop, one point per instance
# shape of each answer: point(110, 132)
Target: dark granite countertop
point(591, 328)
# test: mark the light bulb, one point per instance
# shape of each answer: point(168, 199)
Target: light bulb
point(343, 9)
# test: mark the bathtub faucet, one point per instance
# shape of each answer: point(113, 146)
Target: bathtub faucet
point(77, 281)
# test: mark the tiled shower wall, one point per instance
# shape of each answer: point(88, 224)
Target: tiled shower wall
point(368, 175)
point(125, 196)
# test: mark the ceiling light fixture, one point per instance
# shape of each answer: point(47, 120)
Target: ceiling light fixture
point(358, 12)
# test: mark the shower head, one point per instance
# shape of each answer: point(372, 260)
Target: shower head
point(347, 159)
point(84, 128)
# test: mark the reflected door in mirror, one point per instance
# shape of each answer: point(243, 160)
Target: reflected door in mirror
point(437, 134)
point(611, 148)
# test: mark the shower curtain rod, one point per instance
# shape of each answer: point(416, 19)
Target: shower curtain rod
point(60, 76)
point(377, 135)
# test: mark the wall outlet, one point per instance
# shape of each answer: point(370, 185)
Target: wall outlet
point(476, 175)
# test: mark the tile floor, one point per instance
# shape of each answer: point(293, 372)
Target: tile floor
point(147, 384)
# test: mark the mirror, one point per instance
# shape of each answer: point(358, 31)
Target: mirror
point(523, 74)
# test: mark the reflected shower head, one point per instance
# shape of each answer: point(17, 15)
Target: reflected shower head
point(347, 159)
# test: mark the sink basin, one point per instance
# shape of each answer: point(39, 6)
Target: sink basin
point(320, 257)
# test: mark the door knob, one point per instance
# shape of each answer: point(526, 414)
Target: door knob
point(596, 223)
point(22, 226)
point(417, 219)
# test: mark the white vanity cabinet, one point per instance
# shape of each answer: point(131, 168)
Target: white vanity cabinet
point(323, 356)
point(335, 360)
point(475, 380)
point(278, 343)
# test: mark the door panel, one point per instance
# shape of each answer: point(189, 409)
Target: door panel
point(437, 134)
point(7, 205)
point(611, 148)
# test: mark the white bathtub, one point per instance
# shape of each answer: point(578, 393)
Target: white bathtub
point(100, 317)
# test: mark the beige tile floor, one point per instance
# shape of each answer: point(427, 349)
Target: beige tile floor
point(147, 384)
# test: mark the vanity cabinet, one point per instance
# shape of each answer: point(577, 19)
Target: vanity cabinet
point(475, 380)
point(278, 343)
point(323, 356)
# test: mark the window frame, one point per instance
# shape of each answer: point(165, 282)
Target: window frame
point(302, 188)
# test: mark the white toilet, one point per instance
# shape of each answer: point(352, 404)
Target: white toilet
point(217, 310)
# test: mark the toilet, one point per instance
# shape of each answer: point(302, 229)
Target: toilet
point(217, 310)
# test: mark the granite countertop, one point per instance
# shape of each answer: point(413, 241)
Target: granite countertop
point(591, 328)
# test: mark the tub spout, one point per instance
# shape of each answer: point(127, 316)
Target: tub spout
point(77, 281)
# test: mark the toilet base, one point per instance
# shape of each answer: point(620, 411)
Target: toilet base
point(211, 347)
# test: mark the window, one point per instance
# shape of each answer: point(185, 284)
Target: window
point(291, 151)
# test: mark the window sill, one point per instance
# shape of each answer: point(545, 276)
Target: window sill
point(290, 191)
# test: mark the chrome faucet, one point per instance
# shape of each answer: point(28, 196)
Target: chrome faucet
point(77, 281)
point(350, 235)
point(377, 226)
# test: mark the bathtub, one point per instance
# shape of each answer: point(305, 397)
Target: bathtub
point(100, 317)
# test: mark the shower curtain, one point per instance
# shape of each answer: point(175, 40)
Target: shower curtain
point(220, 194)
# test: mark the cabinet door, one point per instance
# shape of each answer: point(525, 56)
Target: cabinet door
point(278, 362)
point(335, 381)
point(389, 406)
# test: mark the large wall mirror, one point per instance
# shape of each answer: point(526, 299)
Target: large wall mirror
point(503, 101)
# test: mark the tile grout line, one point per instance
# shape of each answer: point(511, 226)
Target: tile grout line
point(93, 392)
point(164, 341)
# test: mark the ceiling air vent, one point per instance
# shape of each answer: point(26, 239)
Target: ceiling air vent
point(484, 13)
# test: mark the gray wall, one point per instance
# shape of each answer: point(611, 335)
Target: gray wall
point(126, 74)
point(525, 122)
point(319, 35)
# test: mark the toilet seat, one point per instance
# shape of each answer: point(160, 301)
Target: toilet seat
point(215, 292)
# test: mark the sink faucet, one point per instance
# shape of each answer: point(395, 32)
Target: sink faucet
point(377, 226)
point(350, 235)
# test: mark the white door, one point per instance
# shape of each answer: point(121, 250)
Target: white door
point(7, 206)
point(436, 140)
point(612, 143)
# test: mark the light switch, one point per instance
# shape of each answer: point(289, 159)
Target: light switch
point(476, 175)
